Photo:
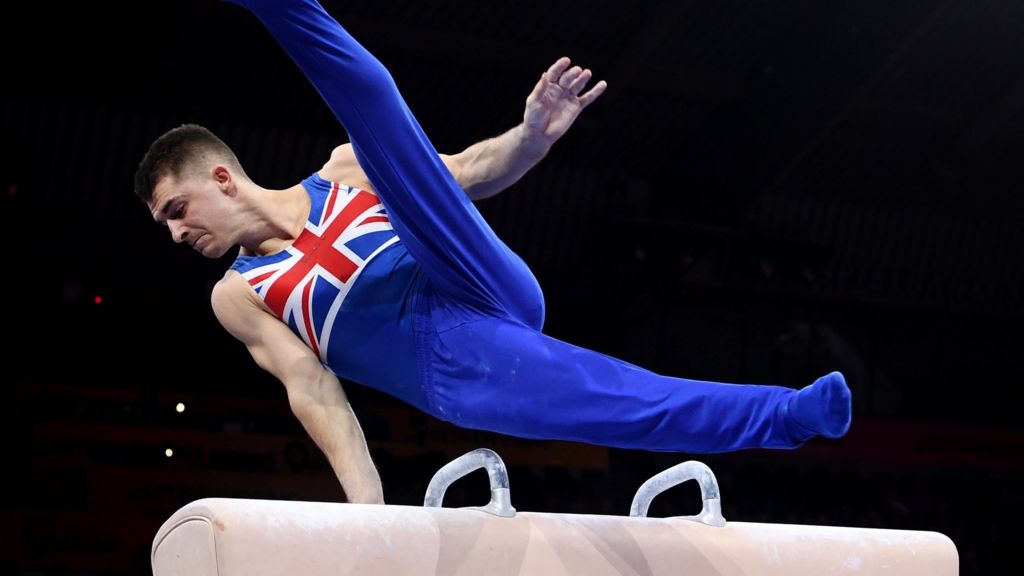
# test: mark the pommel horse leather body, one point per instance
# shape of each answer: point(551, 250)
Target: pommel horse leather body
point(229, 537)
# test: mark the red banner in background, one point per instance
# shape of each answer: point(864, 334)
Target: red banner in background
point(919, 443)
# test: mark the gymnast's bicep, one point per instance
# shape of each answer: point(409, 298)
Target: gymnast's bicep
point(273, 346)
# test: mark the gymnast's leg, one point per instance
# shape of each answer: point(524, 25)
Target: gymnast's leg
point(511, 379)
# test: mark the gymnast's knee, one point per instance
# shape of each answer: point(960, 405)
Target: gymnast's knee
point(530, 307)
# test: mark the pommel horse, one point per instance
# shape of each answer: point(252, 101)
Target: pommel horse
point(234, 537)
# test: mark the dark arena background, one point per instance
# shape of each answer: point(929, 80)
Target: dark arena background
point(768, 191)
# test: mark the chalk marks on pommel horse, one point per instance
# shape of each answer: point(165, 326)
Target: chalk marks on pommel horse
point(234, 537)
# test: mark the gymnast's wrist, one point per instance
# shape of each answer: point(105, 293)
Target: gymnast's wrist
point(530, 142)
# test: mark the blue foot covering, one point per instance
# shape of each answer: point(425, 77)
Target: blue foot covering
point(824, 407)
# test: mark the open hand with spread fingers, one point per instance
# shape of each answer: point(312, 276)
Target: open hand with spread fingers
point(557, 100)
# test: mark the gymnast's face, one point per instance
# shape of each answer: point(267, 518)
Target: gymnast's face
point(198, 209)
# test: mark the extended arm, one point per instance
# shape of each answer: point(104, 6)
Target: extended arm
point(490, 166)
point(314, 394)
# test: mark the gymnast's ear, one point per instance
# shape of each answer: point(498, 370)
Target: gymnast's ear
point(225, 179)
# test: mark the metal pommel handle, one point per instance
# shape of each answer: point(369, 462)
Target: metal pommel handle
point(501, 501)
point(710, 514)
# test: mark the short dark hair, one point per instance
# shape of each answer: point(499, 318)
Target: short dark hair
point(177, 150)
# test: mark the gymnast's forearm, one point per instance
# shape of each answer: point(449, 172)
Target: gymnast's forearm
point(488, 167)
point(325, 413)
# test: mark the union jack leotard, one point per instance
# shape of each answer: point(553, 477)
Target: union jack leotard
point(347, 238)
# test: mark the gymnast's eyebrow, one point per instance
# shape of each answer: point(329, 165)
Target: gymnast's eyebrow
point(163, 211)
